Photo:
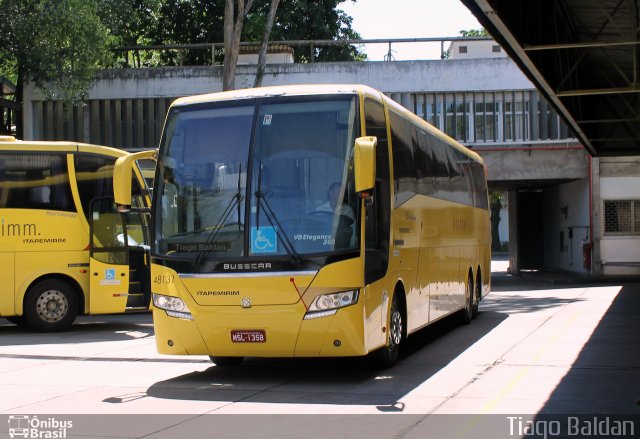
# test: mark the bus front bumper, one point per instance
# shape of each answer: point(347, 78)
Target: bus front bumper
point(261, 331)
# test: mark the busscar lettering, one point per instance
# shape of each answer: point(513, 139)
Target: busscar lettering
point(248, 266)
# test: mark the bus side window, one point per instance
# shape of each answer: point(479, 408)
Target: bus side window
point(377, 224)
point(95, 179)
point(35, 181)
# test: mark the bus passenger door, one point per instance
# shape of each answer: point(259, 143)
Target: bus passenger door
point(108, 258)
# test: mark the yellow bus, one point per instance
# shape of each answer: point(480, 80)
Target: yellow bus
point(310, 221)
point(64, 248)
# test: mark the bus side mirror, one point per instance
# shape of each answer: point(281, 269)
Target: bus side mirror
point(365, 163)
point(122, 173)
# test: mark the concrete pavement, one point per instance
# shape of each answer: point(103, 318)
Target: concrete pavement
point(534, 349)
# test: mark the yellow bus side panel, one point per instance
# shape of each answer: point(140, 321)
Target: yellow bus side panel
point(434, 245)
point(29, 266)
point(7, 299)
point(33, 230)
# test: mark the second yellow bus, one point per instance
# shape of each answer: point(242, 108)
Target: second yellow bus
point(64, 248)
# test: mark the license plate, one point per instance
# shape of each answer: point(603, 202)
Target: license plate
point(248, 336)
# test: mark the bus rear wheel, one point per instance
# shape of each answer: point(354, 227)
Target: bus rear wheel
point(226, 361)
point(50, 305)
point(467, 312)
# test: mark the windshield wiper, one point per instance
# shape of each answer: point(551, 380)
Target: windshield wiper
point(235, 202)
point(273, 220)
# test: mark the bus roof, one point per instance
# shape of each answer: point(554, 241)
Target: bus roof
point(8, 143)
point(313, 89)
point(284, 90)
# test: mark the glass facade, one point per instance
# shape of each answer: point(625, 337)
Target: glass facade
point(493, 117)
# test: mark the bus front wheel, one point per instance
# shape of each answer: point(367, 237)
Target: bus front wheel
point(50, 305)
point(388, 355)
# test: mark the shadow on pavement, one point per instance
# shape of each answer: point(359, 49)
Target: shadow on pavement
point(86, 329)
point(605, 378)
point(350, 381)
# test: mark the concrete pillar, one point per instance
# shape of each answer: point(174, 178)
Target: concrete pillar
point(514, 266)
point(106, 125)
point(596, 215)
point(544, 120)
point(534, 120)
point(138, 140)
point(128, 124)
point(94, 116)
point(58, 118)
point(36, 129)
point(150, 127)
point(86, 124)
point(116, 119)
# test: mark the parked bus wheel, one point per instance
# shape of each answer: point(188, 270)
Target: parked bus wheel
point(467, 312)
point(478, 291)
point(388, 355)
point(226, 361)
point(16, 320)
point(50, 305)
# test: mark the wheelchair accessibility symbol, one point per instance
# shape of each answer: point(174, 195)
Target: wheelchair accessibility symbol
point(264, 240)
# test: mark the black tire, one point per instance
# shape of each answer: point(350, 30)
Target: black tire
point(16, 320)
point(476, 302)
point(50, 305)
point(387, 356)
point(467, 312)
point(226, 361)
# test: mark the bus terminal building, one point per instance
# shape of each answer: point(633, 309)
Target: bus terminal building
point(564, 209)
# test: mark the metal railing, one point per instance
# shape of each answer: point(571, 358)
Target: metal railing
point(312, 45)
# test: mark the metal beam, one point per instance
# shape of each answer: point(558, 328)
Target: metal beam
point(597, 121)
point(597, 91)
point(495, 21)
point(594, 44)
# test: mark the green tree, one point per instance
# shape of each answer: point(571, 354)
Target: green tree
point(202, 21)
point(262, 56)
point(57, 44)
point(129, 23)
point(482, 32)
point(313, 20)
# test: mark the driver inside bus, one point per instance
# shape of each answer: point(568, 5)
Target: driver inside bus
point(345, 227)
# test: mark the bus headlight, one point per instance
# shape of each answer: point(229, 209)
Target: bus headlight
point(173, 306)
point(328, 304)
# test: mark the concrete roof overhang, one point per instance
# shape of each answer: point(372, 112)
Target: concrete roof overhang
point(584, 56)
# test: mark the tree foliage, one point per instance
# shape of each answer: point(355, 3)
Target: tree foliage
point(58, 44)
point(202, 21)
point(482, 32)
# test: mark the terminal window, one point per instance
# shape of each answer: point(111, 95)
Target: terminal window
point(622, 217)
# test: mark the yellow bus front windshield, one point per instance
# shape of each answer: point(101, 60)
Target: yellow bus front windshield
point(245, 181)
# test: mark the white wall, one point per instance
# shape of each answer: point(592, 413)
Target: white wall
point(574, 197)
point(475, 50)
point(619, 180)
